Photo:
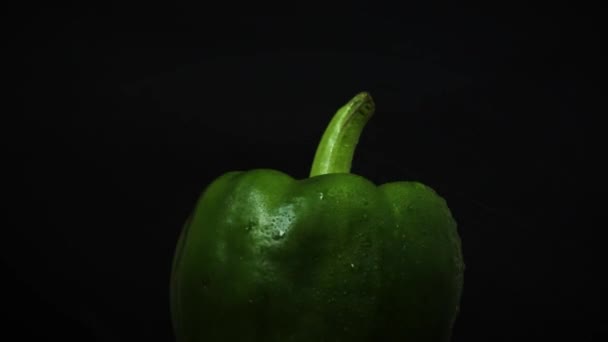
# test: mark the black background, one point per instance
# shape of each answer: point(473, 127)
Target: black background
point(130, 111)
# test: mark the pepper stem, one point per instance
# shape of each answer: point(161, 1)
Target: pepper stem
point(337, 147)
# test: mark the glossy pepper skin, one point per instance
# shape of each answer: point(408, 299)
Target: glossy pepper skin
point(333, 257)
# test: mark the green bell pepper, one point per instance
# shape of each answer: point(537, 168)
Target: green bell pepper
point(333, 257)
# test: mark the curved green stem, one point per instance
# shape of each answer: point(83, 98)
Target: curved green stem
point(337, 147)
